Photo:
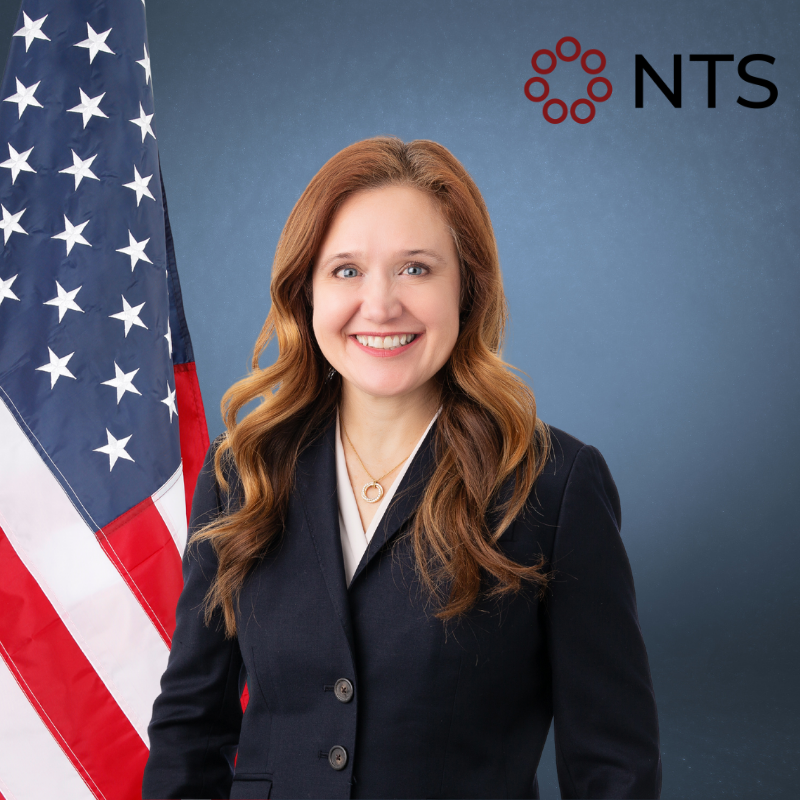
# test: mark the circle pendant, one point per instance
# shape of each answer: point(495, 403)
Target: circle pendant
point(369, 486)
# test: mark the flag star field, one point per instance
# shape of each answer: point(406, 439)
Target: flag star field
point(79, 257)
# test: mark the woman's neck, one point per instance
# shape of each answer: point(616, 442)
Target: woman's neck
point(384, 429)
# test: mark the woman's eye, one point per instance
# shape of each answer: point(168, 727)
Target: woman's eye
point(347, 272)
point(418, 267)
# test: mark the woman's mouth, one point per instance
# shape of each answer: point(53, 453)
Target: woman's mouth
point(385, 342)
point(385, 345)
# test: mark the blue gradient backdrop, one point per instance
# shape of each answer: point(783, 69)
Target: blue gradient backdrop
point(650, 260)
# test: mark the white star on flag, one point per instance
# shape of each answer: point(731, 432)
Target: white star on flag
point(5, 289)
point(57, 367)
point(143, 122)
point(17, 162)
point(129, 315)
point(169, 402)
point(81, 169)
point(32, 29)
point(168, 337)
point(114, 449)
point(95, 42)
point(10, 223)
point(24, 97)
point(64, 301)
point(139, 186)
point(145, 62)
point(123, 382)
point(72, 234)
point(89, 107)
point(135, 250)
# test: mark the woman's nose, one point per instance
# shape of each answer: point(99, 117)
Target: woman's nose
point(379, 301)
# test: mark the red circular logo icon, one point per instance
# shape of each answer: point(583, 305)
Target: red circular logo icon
point(571, 40)
point(596, 69)
point(535, 60)
point(545, 89)
point(554, 58)
point(590, 89)
point(573, 111)
point(555, 102)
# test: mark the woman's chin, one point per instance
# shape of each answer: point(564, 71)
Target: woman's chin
point(388, 387)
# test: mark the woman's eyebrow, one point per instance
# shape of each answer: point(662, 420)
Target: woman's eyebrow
point(430, 253)
point(404, 253)
point(338, 256)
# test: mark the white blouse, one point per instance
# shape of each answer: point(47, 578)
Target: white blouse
point(354, 538)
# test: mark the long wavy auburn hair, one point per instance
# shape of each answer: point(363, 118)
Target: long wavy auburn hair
point(487, 429)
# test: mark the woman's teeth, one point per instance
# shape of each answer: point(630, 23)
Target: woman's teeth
point(386, 342)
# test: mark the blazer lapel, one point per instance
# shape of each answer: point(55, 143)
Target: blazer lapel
point(405, 501)
point(316, 487)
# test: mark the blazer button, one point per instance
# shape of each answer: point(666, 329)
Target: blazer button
point(343, 690)
point(337, 757)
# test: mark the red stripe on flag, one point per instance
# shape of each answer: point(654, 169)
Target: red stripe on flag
point(193, 428)
point(243, 700)
point(139, 544)
point(63, 688)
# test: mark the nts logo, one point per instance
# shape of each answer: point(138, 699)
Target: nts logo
point(545, 87)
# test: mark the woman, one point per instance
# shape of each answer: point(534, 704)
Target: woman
point(411, 572)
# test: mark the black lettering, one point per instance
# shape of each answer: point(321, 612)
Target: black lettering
point(746, 76)
point(674, 95)
point(712, 74)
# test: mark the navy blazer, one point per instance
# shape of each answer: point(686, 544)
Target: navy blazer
point(456, 710)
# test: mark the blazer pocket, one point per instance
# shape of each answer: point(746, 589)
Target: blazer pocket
point(250, 786)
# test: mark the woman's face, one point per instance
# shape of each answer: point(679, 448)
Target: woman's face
point(386, 285)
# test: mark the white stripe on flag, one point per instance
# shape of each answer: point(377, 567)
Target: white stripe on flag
point(32, 764)
point(170, 500)
point(62, 553)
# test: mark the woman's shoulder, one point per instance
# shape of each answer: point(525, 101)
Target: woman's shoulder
point(562, 452)
point(573, 473)
point(566, 457)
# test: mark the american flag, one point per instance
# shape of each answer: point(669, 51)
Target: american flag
point(102, 430)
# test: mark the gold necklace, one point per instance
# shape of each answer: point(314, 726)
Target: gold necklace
point(375, 481)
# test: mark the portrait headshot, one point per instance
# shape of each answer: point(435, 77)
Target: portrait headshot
point(397, 400)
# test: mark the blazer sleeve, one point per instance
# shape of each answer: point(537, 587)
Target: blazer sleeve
point(606, 725)
point(194, 730)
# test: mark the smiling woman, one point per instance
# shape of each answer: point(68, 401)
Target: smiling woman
point(412, 574)
point(382, 290)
